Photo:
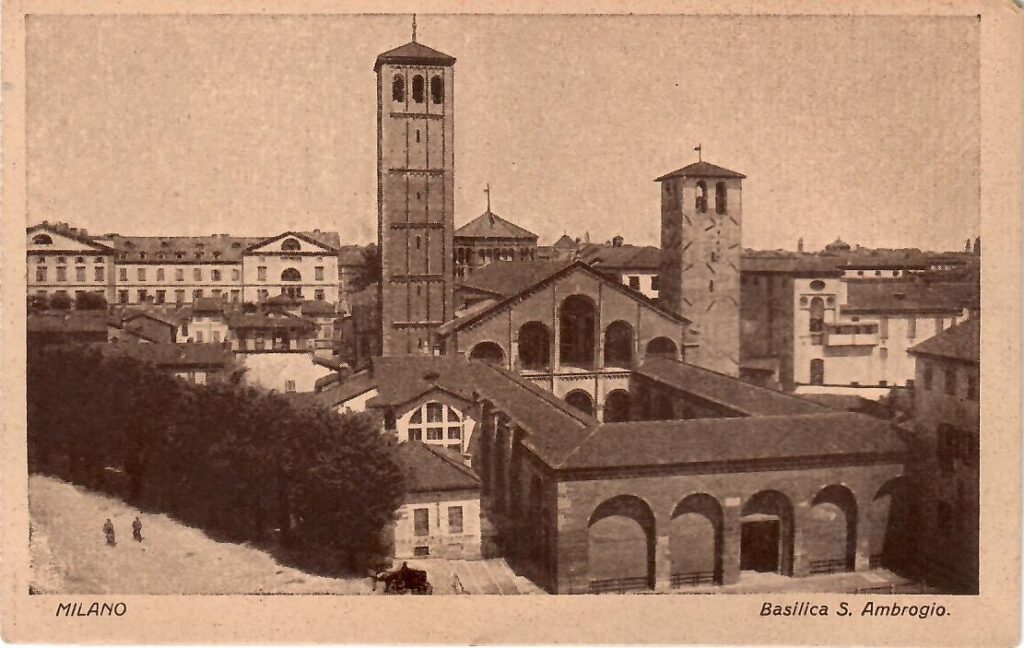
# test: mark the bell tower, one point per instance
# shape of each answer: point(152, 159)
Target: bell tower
point(701, 217)
point(415, 194)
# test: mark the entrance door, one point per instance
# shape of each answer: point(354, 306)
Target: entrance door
point(759, 546)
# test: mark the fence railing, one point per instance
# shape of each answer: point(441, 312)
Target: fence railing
point(691, 579)
point(620, 585)
point(830, 566)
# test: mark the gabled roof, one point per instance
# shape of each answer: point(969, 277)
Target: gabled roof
point(961, 342)
point(165, 249)
point(743, 397)
point(208, 305)
point(318, 307)
point(490, 225)
point(72, 233)
point(327, 240)
point(412, 53)
point(68, 322)
point(701, 170)
point(565, 242)
point(428, 468)
point(272, 320)
point(512, 280)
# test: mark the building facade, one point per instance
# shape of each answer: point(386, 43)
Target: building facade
point(62, 260)
point(415, 194)
point(701, 220)
point(947, 432)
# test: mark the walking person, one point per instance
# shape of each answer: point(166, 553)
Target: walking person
point(108, 530)
point(137, 529)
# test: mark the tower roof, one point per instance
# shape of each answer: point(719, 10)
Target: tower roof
point(701, 170)
point(412, 53)
point(490, 225)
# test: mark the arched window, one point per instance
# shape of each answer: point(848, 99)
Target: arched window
point(398, 88)
point(290, 245)
point(417, 89)
point(662, 347)
point(534, 346)
point(701, 204)
point(618, 345)
point(488, 352)
point(721, 195)
point(817, 324)
point(437, 89)
point(437, 424)
point(42, 239)
point(617, 406)
point(291, 274)
point(577, 321)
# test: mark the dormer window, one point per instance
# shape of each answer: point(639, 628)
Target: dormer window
point(42, 239)
point(179, 255)
point(142, 255)
point(236, 245)
point(199, 255)
point(164, 243)
point(79, 259)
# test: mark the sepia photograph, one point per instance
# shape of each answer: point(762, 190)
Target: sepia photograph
point(585, 306)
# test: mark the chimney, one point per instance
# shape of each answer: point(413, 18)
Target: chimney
point(617, 241)
point(800, 244)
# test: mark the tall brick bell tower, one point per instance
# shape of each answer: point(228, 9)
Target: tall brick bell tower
point(415, 194)
point(701, 218)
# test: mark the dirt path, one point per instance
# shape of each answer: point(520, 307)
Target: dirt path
point(70, 555)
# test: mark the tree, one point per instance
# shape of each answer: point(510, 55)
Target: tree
point(370, 270)
point(60, 302)
point(37, 303)
point(90, 301)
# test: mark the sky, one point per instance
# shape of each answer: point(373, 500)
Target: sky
point(863, 128)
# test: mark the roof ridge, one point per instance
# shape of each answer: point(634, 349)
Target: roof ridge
point(441, 453)
point(547, 396)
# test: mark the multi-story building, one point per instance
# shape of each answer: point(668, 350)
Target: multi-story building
point(636, 266)
point(947, 404)
point(63, 260)
point(416, 194)
point(131, 270)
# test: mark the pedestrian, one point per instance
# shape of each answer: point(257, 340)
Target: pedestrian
point(108, 530)
point(137, 529)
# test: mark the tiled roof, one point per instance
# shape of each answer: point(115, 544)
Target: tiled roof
point(510, 280)
point(701, 170)
point(507, 279)
point(625, 257)
point(412, 53)
point(959, 342)
point(68, 322)
point(490, 225)
point(565, 242)
point(793, 264)
point(208, 305)
point(426, 469)
point(318, 307)
point(738, 395)
point(167, 249)
point(909, 297)
point(268, 321)
point(745, 439)
point(174, 355)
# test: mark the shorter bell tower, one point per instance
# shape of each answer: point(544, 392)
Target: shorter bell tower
point(701, 243)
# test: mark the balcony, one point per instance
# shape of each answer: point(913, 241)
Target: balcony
point(851, 335)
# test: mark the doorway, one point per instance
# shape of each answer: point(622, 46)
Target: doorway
point(759, 546)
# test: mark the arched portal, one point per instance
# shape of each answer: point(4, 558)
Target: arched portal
point(620, 546)
point(662, 347)
point(488, 352)
point(831, 531)
point(580, 400)
point(577, 322)
point(695, 541)
point(291, 274)
point(534, 346)
point(891, 539)
point(617, 405)
point(618, 345)
point(766, 534)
